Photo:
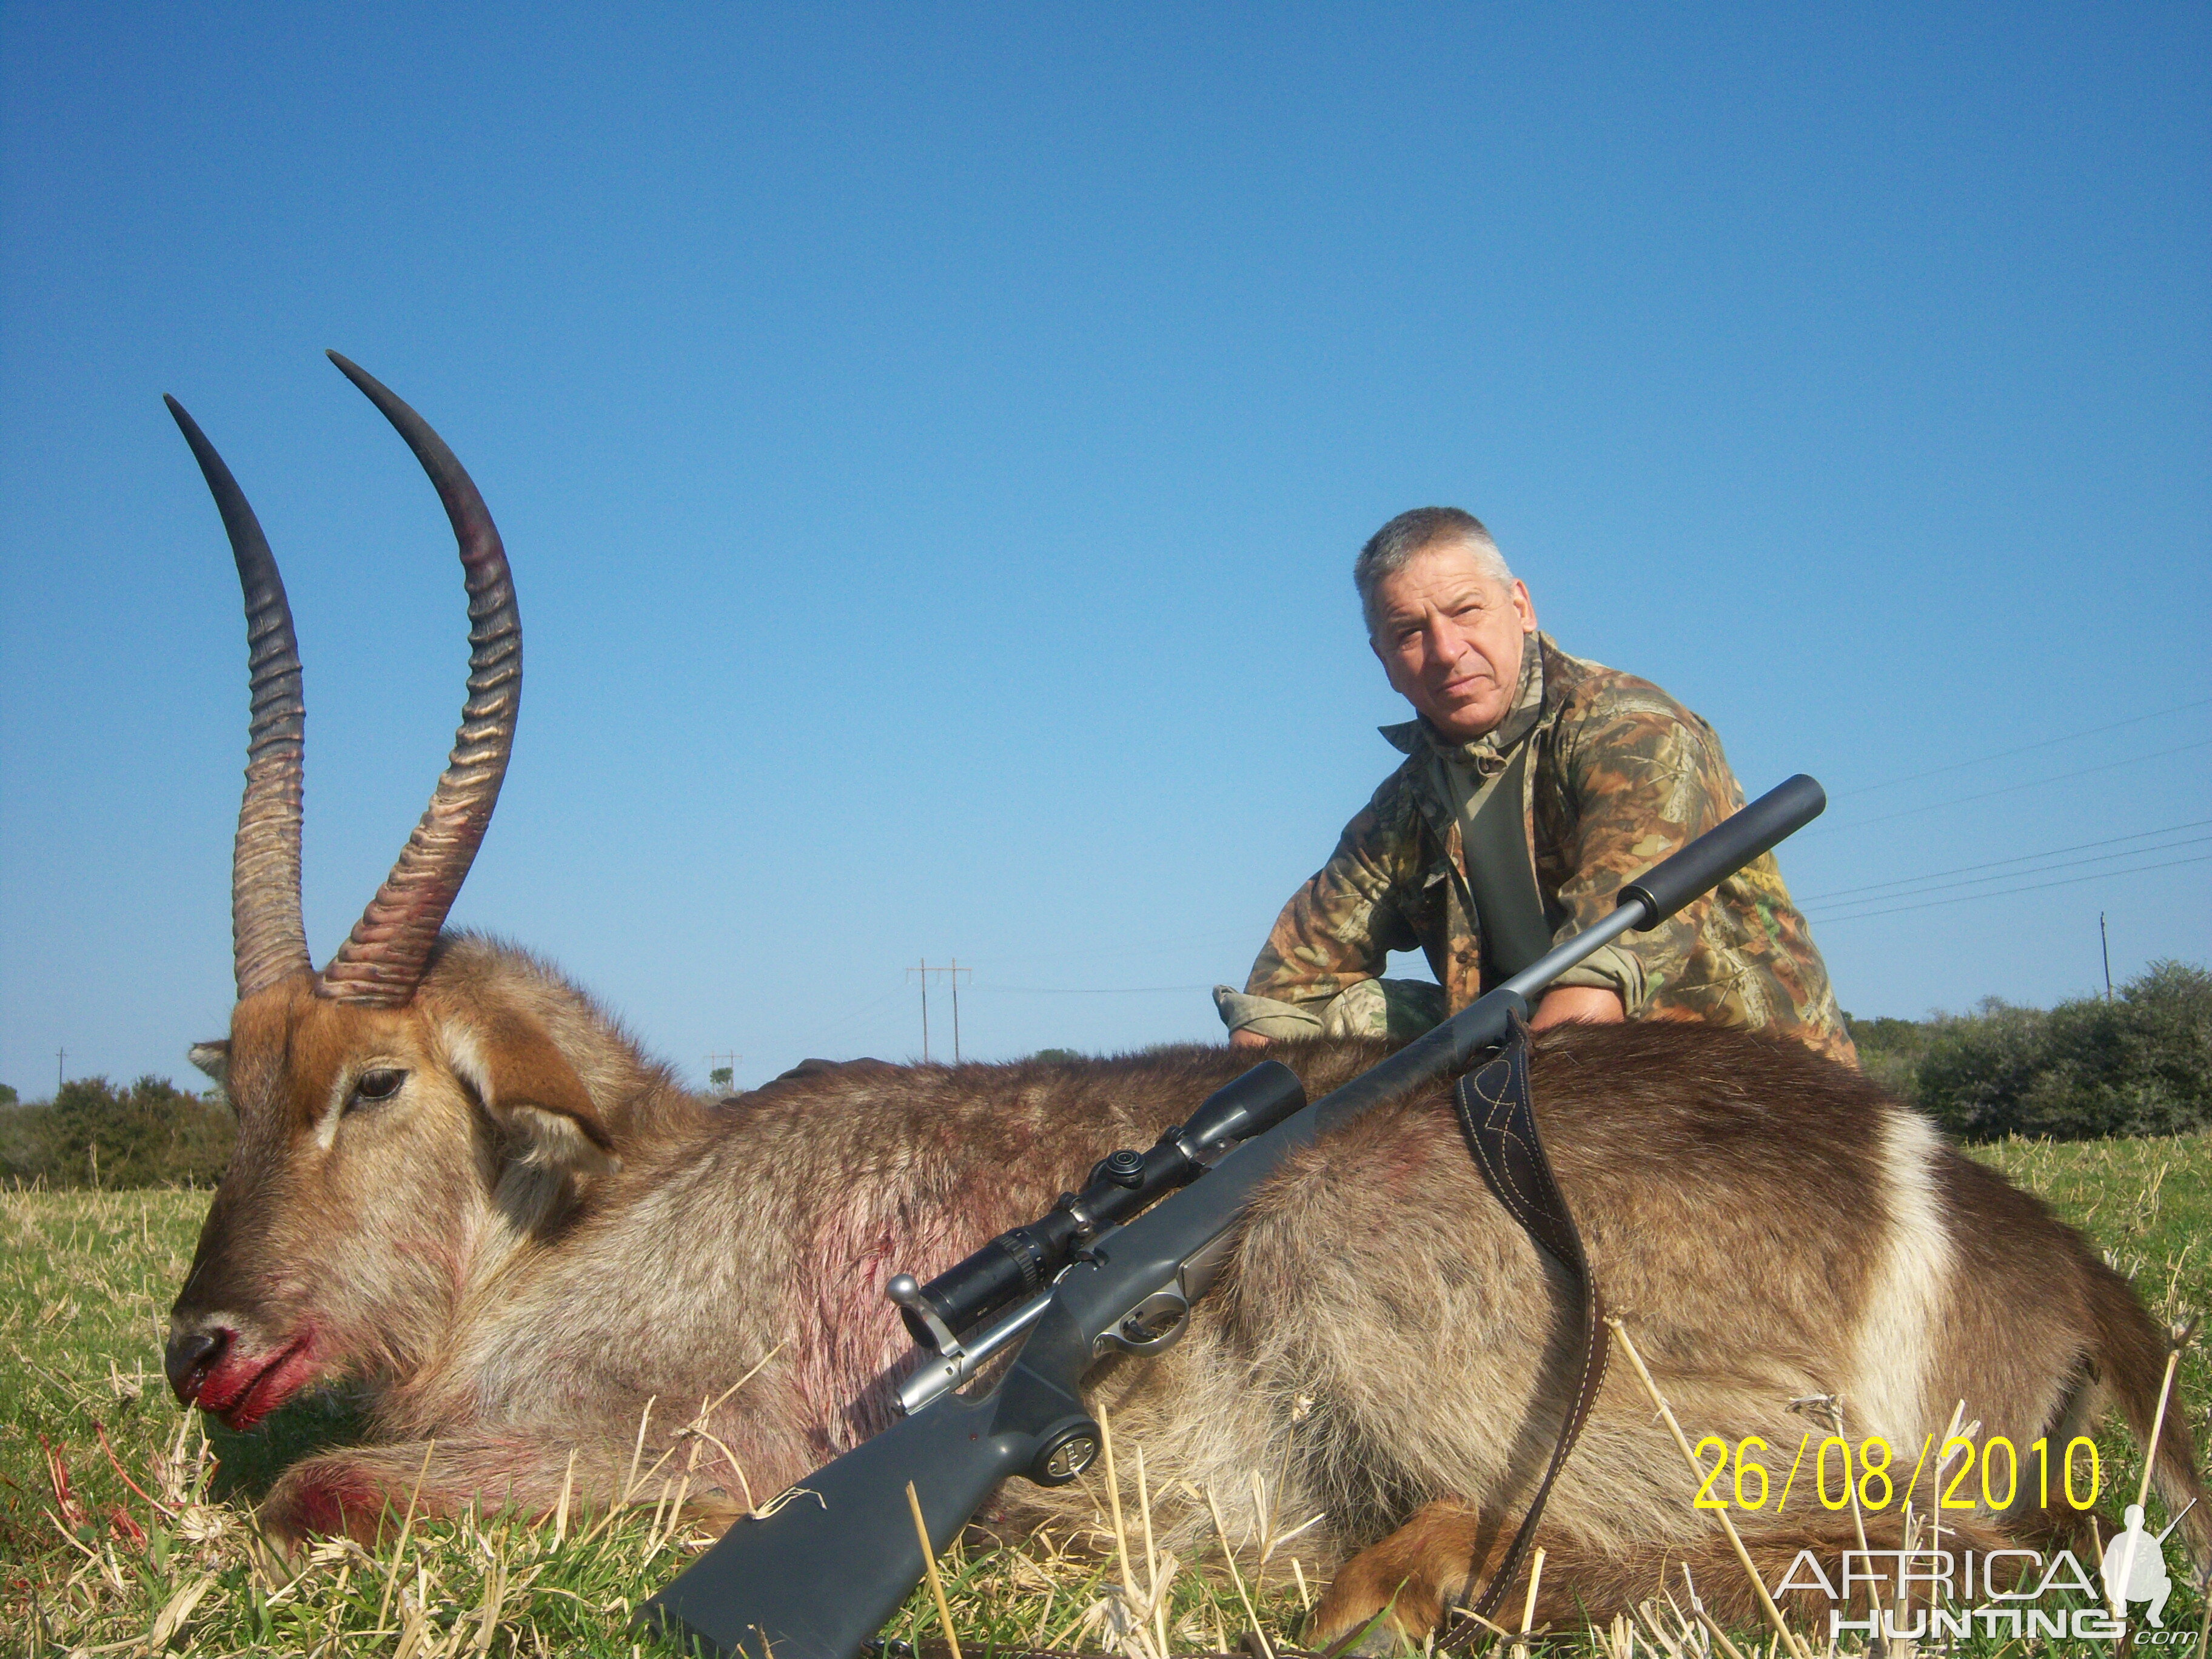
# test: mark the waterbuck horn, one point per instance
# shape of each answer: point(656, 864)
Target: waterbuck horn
point(268, 943)
point(383, 960)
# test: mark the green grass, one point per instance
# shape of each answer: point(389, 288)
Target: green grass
point(157, 1541)
point(86, 1279)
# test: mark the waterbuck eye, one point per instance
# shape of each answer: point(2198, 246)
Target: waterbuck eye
point(381, 1084)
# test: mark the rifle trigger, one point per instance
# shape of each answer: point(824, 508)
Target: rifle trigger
point(1152, 1325)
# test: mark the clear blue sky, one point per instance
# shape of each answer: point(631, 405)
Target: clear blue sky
point(932, 442)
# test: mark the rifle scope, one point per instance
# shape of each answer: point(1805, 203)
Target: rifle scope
point(1025, 1260)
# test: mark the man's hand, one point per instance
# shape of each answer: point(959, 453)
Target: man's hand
point(1588, 1005)
point(1247, 1038)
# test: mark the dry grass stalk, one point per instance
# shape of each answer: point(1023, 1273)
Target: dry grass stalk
point(1152, 1582)
point(1943, 1462)
point(1688, 1640)
point(1789, 1638)
point(1264, 1520)
point(1528, 1602)
point(698, 1426)
point(2116, 1584)
point(1468, 1615)
point(560, 1509)
point(171, 1619)
point(645, 1417)
point(1719, 1636)
point(406, 1526)
point(1044, 1617)
point(929, 1566)
point(1535, 1579)
point(660, 1539)
point(1704, 1619)
point(1228, 1554)
point(691, 1432)
point(100, 1429)
point(1114, 1506)
point(495, 1598)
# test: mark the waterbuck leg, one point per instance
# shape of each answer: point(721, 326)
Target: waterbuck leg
point(365, 1492)
point(1412, 1572)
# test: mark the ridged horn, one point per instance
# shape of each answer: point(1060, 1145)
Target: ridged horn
point(382, 962)
point(268, 942)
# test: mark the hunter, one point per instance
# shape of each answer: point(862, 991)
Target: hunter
point(1534, 784)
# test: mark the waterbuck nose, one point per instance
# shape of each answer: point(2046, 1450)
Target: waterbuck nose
point(190, 1355)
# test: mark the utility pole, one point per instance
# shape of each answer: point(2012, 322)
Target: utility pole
point(61, 1056)
point(724, 1076)
point(954, 970)
point(956, 1009)
point(2105, 939)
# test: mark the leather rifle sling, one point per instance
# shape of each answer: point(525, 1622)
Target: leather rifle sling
point(1495, 1115)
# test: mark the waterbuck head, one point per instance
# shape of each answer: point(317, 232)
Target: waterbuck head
point(389, 1104)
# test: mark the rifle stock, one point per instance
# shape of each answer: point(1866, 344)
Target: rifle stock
point(760, 1590)
point(822, 1573)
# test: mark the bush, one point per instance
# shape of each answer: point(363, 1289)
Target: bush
point(2138, 1064)
point(151, 1134)
point(1890, 1052)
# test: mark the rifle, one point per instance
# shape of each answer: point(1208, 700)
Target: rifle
point(825, 1569)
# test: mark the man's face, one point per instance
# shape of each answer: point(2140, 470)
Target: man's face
point(1449, 638)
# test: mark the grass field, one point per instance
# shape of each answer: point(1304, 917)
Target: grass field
point(126, 1524)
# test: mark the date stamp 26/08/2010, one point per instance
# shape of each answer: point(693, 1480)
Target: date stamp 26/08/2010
point(1862, 1476)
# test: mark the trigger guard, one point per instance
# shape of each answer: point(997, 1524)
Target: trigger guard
point(1155, 1324)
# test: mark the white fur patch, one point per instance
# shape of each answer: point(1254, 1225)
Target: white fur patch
point(326, 1126)
point(466, 1058)
point(1907, 1293)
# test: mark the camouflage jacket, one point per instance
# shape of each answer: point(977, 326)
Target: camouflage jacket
point(1618, 776)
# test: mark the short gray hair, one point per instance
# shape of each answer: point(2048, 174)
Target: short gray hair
point(1391, 548)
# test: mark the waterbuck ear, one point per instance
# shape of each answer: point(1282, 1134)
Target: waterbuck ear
point(528, 1087)
point(213, 1058)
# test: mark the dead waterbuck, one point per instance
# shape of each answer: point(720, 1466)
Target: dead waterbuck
point(459, 1179)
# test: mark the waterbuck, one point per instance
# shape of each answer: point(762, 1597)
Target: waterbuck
point(456, 1178)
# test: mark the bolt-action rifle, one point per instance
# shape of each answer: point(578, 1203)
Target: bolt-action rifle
point(1114, 1267)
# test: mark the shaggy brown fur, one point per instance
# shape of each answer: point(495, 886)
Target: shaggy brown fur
point(536, 1241)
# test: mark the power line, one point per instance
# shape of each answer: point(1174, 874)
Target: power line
point(1845, 893)
point(2066, 864)
point(838, 1024)
point(2025, 748)
point(2011, 789)
point(2078, 846)
point(2036, 887)
point(1150, 947)
point(1089, 990)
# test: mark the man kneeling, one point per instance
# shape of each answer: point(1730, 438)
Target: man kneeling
point(1535, 784)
